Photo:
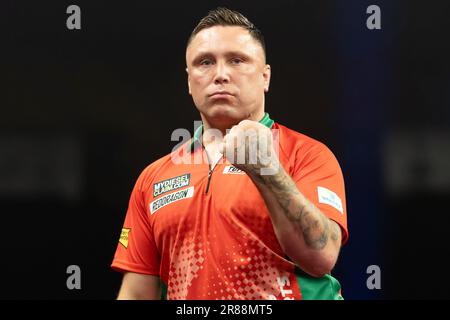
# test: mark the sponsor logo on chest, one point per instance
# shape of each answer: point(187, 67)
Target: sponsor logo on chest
point(170, 198)
point(232, 170)
point(165, 186)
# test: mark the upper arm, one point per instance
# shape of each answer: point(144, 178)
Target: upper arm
point(137, 250)
point(136, 286)
point(319, 178)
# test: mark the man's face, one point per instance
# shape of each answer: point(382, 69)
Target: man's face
point(227, 74)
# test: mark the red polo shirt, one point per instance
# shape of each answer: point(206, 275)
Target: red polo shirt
point(208, 234)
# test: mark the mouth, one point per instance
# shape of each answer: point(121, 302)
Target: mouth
point(220, 94)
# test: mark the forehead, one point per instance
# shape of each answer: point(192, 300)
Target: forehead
point(220, 39)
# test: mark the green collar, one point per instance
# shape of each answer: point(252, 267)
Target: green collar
point(198, 133)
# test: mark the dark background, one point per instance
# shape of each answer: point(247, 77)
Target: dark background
point(84, 111)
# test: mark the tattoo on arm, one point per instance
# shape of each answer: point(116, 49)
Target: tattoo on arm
point(315, 226)
point(335, 231)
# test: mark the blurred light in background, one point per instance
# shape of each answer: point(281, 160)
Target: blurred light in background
point(36, 165)
point(417, 161)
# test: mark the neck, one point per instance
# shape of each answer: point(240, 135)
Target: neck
point(213, 129)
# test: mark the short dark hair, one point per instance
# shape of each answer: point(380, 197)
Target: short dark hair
point(226, 17)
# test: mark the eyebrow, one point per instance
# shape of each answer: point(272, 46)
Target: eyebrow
point(201, 56)
point(228, 54)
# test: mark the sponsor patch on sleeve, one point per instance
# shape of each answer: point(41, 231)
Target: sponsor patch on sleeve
point(329, 197)
point(124, 237)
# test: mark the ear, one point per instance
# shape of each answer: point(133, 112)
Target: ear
point(266, 76)
point(189, 81)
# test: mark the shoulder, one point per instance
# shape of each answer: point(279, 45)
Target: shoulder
point(301, 146)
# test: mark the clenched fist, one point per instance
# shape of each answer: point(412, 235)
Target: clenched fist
point(250, 147)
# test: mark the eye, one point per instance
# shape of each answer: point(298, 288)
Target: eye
point(236, 61)
point(206, 62)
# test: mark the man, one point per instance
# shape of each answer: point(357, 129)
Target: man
point(227, 229)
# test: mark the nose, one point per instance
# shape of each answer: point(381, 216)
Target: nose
point(222, 74)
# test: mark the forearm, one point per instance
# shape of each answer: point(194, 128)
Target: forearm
point(306, 235)
point(139, 287)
